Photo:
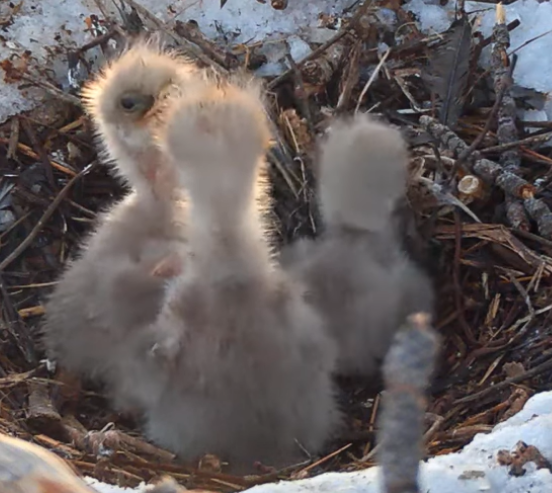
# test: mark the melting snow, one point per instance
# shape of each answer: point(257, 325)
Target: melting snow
point(49, 28)
point(534, 65)
point(474, 469)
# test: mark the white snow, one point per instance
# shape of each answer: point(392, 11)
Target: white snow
point(533, 116)
point(472, 470)
point(107, 488)
point(432, 17)
point(534, 64)
point(43, 26)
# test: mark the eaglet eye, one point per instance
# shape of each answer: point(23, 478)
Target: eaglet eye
point(135, 102)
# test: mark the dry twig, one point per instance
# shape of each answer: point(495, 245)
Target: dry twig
point(42, 221)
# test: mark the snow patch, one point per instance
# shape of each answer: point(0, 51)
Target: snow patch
point(50, 28)
point(474, 469)
point(534, 64)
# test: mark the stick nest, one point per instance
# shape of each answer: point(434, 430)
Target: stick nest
point(477, 215)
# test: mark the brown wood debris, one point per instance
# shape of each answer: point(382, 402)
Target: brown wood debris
point(521, 455)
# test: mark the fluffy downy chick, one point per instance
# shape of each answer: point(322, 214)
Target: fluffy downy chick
point(251, 376)
point(126, 101)
point(357, 274)
point(116, 284)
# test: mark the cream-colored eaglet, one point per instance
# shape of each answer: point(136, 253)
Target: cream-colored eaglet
point(248, 362)
point(116, 284)
point(127, 99)
point(357, 274)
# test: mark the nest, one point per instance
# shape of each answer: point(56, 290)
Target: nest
point(481, 223)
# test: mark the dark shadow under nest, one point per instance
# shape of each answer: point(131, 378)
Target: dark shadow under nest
point(493, 275)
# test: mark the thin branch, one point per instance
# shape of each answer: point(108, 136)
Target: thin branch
point(42, 221)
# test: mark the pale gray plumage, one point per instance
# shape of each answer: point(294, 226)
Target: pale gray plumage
point(112, 288)
point(250, 365)
point(357, 274)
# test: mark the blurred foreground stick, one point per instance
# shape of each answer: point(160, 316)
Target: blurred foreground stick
point(407, 372)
